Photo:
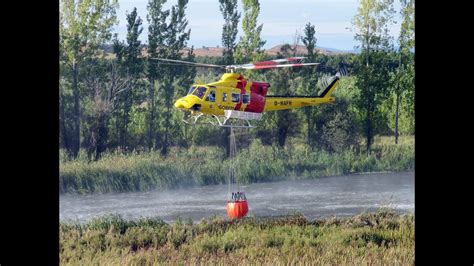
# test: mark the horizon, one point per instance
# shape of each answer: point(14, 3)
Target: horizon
point(281, 22)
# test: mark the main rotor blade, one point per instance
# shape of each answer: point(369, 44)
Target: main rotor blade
point(252, 66)
point(295, 60)
point(188, 63)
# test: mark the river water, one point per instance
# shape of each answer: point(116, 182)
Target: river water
point(315, 198)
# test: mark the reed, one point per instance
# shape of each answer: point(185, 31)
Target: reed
point(117, 172)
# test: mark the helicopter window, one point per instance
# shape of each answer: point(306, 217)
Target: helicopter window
point(211, 97)
point(199, 92)
point(235, 97)
point(245, 99)
point(191, 89)
point(224, 96)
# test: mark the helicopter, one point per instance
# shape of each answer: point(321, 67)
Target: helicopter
point(234, 97)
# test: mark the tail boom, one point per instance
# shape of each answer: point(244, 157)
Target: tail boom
point(282, 103)
point(275, 103)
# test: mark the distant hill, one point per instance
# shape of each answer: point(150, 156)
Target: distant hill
point(301, 50)
point(217, 51)
point(208, 51)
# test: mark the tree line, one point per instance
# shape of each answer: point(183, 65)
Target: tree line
point(123, 101)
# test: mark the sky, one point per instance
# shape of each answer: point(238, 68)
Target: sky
point(281, 20)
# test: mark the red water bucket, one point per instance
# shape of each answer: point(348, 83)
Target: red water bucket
point(237, 209)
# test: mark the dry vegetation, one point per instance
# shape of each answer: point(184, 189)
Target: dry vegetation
point(377, 238)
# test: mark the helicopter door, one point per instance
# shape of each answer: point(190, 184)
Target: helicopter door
point(211, 96)
point(210, 102)
point(224, 100)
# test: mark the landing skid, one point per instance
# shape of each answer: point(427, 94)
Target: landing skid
point(192, 119)
point(222, 121)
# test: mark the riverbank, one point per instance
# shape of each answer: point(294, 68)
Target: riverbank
point(377, 238)
point(117, 172)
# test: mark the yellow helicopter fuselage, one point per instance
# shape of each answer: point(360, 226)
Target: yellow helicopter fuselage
point(234, 92)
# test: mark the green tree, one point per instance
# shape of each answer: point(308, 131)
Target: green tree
point(371, 22)
point(337, 130)
point(250, 44)
point(309, 40)
point(176, 38)
point(229, 10)
point(129, 58)
point(310, 80)
point(406, 42)
point(185, 80)
point(407, 29)
point(400, 105)
point(105, 83)
point(64, 138)
point(85, 24)
point(229, 30)
point(283, 82)
point(156, 36)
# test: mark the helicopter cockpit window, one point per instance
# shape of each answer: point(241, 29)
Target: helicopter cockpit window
point(211, 97)
point(199, 92)
point(191, 89)
point(246, 99)
point(235, 97)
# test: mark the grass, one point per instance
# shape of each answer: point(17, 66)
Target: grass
point(117, 172)
point(383, 237)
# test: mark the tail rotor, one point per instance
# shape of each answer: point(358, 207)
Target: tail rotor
point(342, 71)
